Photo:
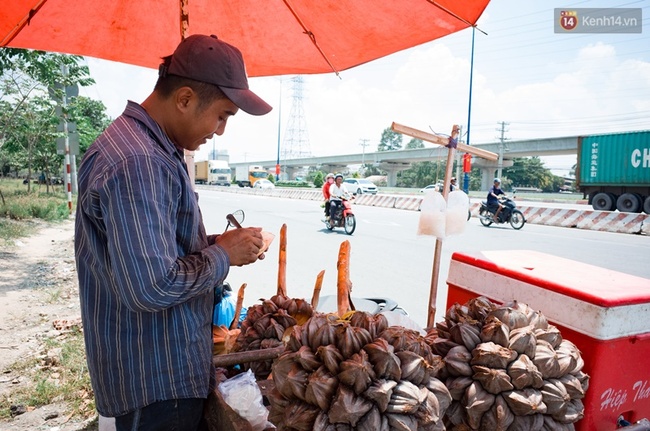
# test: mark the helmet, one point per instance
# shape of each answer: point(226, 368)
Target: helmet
point(330, 175)
point(496, 180)
point(338, 176)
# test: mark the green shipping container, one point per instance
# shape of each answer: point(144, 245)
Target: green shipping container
point(615, 159)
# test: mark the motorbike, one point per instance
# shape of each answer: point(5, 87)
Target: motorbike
point(509, 214)
point(343, 218)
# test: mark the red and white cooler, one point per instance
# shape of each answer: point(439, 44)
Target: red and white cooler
point(605, 313)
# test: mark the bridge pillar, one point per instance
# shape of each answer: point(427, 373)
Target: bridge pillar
point(392, 169)
point(488, 170)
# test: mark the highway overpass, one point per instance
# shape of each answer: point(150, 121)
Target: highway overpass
point(395, 161)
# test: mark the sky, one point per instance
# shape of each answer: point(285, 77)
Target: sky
point(527, 80)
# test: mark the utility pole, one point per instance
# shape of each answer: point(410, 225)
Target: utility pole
point(501, 146)
point(364, 143)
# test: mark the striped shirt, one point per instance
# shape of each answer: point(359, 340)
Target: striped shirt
point(146, 268)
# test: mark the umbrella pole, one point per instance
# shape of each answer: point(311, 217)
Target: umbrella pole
point(435, 271)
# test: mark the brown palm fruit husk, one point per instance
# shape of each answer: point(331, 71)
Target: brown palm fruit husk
point(331, 358)
point(430, 411)
point(480, 307)
point(307, 359)
point(406, 398)
point(493, 380)
point(458, 385)
point(457, 362)
point(273, 319)
point(555, 397)
point(495, 331)
point(372, 421)
point(413, 367)
point(399, 422)
point(512, 317)
point(523, 373)
point(442, 346)
point(347, 407)
point(527, 423)
point(386, 364)
point(380, 393)
point(551, 424)
point(299, 416)
point(572, 386)
point(546, 360)
point(357, 372)
point(550, 334)
point(492, 355)
point(574, 412)
point(438, 388)
point(350, 339)
point(525, 402)
point(466, 334)
point(517, 326)
point(374, 324)
point(523, 341)
point(477, 401)
point(499, 417)
point(321, 387)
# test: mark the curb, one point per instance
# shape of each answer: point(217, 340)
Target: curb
point(604, 221)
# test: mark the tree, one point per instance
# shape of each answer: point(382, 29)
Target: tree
point(390, 140)
point(318, 179)
point(414, 143)
point(530, 172)
point(28, 120)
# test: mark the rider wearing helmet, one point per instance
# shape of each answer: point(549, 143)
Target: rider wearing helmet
point(452, 184)
point(338, 191)
point(329, 180)
point(493, 203)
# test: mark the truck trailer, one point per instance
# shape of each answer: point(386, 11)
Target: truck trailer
point(212, 172)
point(613, 171)
point(247, 175)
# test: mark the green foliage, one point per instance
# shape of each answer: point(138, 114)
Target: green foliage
point(421, 174)
point(318, 179)
point(271, 178)
point(293, 184)
point(414, 143)
point(530, 172)
point(390, 140)
point(20, 204)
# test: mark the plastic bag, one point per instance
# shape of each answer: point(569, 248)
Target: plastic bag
point(457, 207)
point(432, 215)
point(243, 395)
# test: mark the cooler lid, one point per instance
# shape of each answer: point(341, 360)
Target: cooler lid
point(584, 282)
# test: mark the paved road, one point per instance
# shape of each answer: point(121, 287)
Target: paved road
point(387, 257)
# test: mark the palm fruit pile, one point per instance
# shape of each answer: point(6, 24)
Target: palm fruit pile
point(357, 373)
point(265, 325)
point(507, 368)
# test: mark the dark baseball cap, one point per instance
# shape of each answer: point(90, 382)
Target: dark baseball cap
point(208, 59)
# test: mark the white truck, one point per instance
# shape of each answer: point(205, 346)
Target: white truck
point(247, 175)
point(212, 172)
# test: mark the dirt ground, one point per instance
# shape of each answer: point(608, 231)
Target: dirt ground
point(38, 286)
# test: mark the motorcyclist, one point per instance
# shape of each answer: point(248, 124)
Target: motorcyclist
point(493, 204)
point(329, 180)
point(338, 192)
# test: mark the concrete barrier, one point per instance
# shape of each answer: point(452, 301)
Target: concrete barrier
point(607, 221)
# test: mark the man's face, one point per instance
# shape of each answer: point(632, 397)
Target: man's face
point(339, 180)
point(201, 123)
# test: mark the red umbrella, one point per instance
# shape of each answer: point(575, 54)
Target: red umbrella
point(276, 36)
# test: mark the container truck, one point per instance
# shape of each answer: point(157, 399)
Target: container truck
point(247, 175)
point(613, 171)
point(213, 172)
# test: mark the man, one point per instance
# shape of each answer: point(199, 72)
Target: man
point(338, 191)
point(452, 184)
point(329, 180)
point(493, 199)
point(147, 270)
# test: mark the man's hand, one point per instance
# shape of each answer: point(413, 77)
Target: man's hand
point(242, 245)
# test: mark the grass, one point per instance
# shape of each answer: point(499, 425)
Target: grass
point(58, 374)
point(18, 206)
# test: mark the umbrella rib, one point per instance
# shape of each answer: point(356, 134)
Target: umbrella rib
point(23, 22)
point(312, 37)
